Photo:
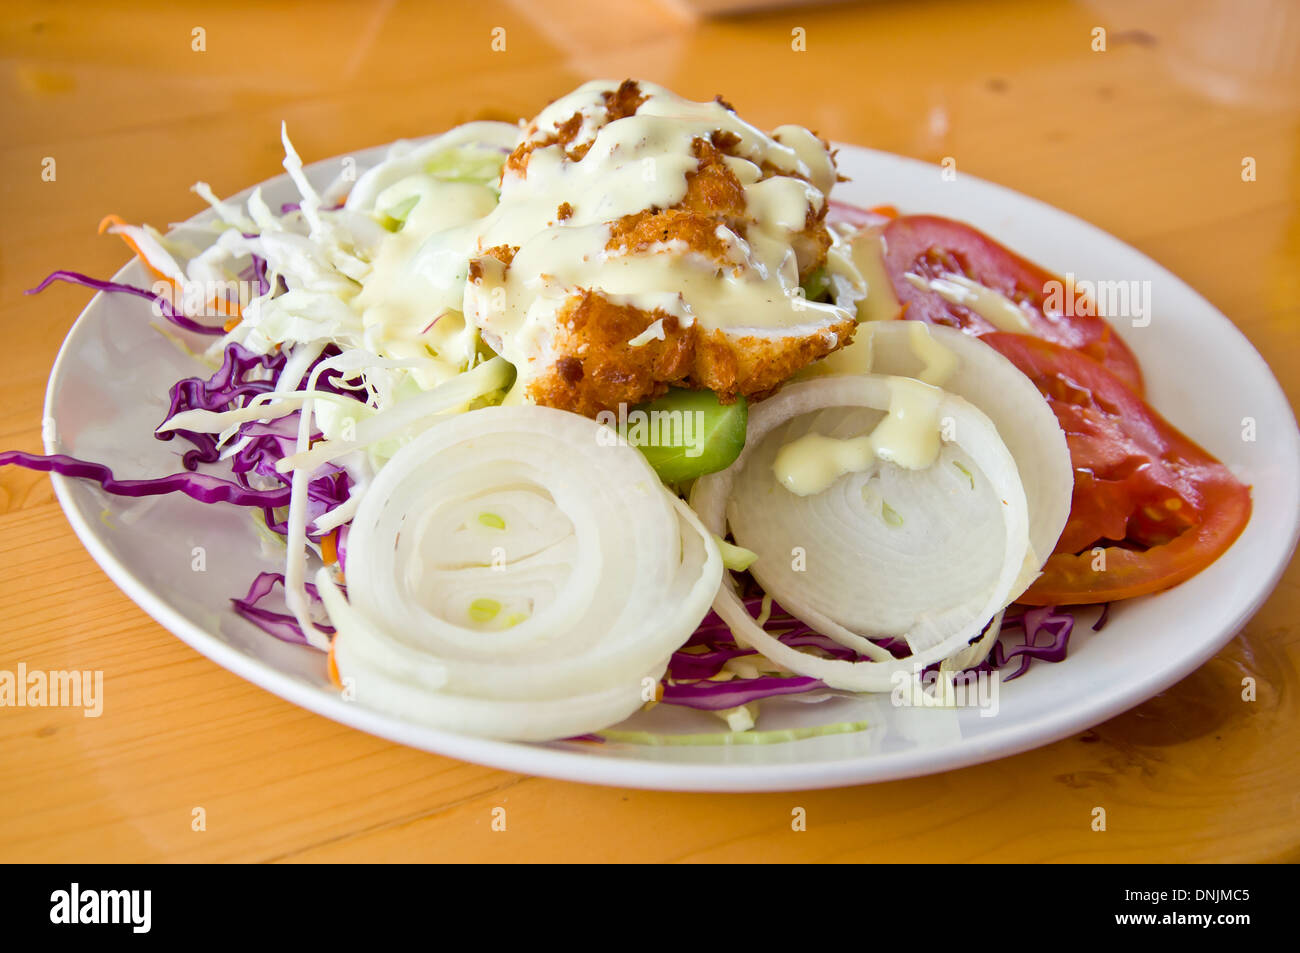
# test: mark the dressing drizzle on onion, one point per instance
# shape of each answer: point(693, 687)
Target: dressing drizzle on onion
point(926, 554)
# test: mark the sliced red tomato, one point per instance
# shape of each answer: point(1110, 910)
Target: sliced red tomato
point(1150, 507)
point(929, 247)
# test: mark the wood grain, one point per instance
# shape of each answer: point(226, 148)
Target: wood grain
point(1130, 139)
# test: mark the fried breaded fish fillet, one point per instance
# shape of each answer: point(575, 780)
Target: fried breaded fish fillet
point(644, 240)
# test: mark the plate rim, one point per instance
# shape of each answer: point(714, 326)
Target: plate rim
point(578, 766)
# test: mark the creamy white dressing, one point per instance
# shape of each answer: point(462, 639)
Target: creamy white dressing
point(880, 304)
point(813, 462)
point(993, 306)
point(811, 152)
point(653, 332)
point(633, 164)
point(410, 302)
point(782, 202)
point(940, 363)
point(848, 284)
point(858, 263)
point(907, 436)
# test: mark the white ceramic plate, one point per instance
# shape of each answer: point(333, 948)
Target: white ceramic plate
point(108, 391)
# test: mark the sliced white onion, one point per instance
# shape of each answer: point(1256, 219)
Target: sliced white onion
point(515, 572)
point(935, 577)
point(1024, 420)
point(976, 652)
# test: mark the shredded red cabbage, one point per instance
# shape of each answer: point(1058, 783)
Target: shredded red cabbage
point(717, 696)
point(287, 207)
point(199, 486)
point(688, 680)
point(689, 665)
point(165, 306)
point(323, 494)
point(1034, 621)
point(279, 624)
point(243, 375)
point(261, 445)
point(218, 393)
point(259, 269)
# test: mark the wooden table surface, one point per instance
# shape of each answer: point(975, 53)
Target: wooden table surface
point(1146, 139)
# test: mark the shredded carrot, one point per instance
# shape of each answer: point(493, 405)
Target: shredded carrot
point(333, 667)
point(659, 696)
point(888, 211)
point(216, 306)
point(109, 220)
point(219, 306)
point(329, 552)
